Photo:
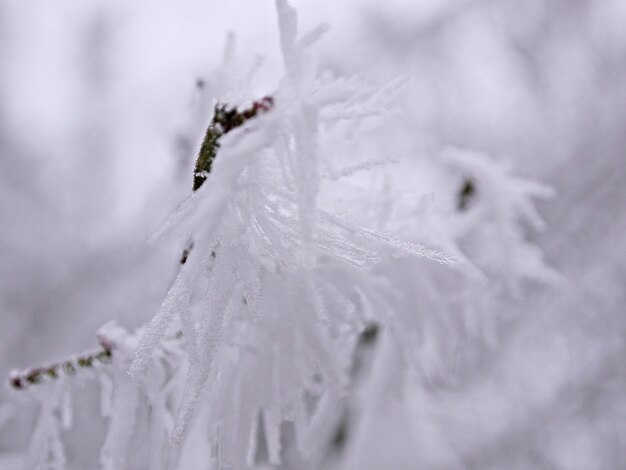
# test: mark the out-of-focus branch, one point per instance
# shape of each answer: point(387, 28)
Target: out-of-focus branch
point(21, 380)
point(465, 194)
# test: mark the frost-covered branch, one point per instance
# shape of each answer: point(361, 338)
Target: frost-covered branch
point(112, 340)
point(225, 119)
point(21, 380)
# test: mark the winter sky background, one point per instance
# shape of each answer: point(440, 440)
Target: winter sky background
point(100, 118)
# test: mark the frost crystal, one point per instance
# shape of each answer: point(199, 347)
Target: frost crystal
point(280, 294)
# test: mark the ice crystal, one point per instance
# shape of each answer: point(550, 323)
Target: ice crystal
point(280, 295)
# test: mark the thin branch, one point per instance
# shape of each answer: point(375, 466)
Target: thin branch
point(224, 120)
point(21, 380)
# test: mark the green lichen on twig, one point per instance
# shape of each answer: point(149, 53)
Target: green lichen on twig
point(224, 120)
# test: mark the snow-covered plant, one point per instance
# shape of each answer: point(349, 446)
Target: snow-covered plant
point(283, 281)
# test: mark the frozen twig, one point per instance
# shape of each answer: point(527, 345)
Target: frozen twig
point(224, 120)
point(22, 380)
